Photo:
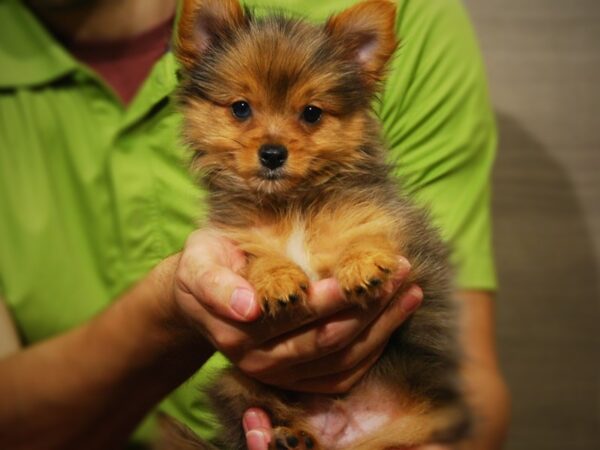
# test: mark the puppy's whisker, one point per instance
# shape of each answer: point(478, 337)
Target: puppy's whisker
point(229, 138)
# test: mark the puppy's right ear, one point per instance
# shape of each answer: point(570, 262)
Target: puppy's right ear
point(202, 23)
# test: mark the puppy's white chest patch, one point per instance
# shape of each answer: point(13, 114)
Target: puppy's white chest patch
point(297, 250)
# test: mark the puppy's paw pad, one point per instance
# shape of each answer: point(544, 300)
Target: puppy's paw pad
point(289, 439)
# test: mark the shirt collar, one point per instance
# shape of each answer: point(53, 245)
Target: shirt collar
point(29, 54)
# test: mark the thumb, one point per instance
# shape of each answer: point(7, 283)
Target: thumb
point(257, 439)
point(257, 427)
point(227, 294)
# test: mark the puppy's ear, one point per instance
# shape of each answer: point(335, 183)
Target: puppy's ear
point(366, 33)
point(202, 23)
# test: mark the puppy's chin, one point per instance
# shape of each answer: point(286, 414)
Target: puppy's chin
point(271, 174)
point(270, 182)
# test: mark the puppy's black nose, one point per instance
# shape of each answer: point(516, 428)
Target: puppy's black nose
point(272, 156)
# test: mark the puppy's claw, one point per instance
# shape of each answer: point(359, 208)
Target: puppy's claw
point(374, 282)
point(360, 290)
point(291, 439)
point(308, 442)
point(384, 269)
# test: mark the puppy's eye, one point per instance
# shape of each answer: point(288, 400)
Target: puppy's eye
point(312, 114)
point(241, 110)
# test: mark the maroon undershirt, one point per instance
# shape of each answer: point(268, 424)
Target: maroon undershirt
point(124, 64)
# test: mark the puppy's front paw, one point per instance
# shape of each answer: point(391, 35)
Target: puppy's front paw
point(362, 273)
point(278, 284)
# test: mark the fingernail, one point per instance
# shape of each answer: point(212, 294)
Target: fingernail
point(257, 440)
point(242, 301)
point(412, 299)
point(401, 273)
point(251, 421)
point(403, 266)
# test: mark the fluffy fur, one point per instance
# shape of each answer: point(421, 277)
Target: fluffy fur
point(331, 209)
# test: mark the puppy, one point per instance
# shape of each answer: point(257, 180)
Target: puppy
point(279, 115)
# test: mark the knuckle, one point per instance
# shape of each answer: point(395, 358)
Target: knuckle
point(410, 301)
point(228, 343)
point(261, 370)
point(348, 360)
point(341, 387)
point(187, 259)
point(263, 375)
point(210, 278)
point(180, 278)
point(197, 237)
point(208, 284)
point(291, 351)
point(187, 269)
point(329, 339)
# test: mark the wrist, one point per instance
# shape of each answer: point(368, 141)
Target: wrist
point(147, 327)
point(174, 331)
point(489, 397)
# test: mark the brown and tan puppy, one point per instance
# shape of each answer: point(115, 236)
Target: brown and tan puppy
point(278, 113)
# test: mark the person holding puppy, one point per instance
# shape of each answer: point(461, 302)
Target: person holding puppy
point(95, 197)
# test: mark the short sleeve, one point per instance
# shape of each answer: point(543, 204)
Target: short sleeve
point(441, 130)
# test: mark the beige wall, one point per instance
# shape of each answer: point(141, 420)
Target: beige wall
point(543, 59)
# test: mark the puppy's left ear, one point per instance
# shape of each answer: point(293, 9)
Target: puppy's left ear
point(366, 33)
point(202, 24)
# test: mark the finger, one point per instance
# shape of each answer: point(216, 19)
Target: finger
point(331, 335)
point(237, 339)
point(255, 418)
point(318, 340)
point(338, 332)
point(257, 427)
point(221, 291)
point(374, 336)
point(209, 271)
point(333, 373)
point(258, 439)
point(338, 383)
point(325, 299)
point(210, 247)
point(333, 322)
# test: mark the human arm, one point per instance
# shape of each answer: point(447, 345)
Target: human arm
point(88, 388)
point(485, 386)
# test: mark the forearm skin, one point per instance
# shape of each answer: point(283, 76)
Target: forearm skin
point(90, 387)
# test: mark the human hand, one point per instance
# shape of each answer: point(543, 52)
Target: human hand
point(326, 350)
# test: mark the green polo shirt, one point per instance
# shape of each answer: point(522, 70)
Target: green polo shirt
point(93, 194)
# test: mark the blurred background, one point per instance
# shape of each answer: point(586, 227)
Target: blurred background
point(543, 61)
